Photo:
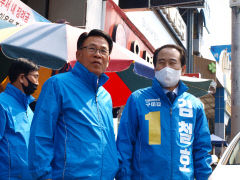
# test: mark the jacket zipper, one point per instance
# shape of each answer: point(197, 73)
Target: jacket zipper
point(9, 161)
point(98, 112)
point(171, 137)
point(65, 149)
point(171, 169)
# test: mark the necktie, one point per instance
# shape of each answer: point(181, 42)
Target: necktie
point(171, 96)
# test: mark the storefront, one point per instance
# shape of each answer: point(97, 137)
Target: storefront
point(222, 55)
point(134, 30)
point(218, 101)
point(207, 69)
point(127, 28)
point(125, 33)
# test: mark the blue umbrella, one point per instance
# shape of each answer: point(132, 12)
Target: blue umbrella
point(47, 44)
point(5, 24)
point(217, 141)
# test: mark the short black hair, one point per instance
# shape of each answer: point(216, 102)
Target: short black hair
point(179, 48)
point(95, 32)
point(21, 66)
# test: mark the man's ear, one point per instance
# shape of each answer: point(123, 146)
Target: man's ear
point(108, 60)
point(78, 54)
point(183, 70)
point(21, 78)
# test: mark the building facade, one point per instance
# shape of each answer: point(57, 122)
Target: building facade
point(141, 29)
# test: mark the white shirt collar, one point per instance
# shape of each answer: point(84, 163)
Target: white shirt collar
point(175, 90)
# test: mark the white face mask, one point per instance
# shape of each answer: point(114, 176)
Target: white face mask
point(168, 77)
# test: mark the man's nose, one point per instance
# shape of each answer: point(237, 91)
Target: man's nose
point(36, 82)
point(167, 64)
point(98, 52)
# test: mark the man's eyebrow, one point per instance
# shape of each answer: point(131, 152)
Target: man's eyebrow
point(173, 59)
point(92, 44)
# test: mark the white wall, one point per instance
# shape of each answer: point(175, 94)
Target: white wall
point(94, 14)
point(219, 26)
point(116, 2)
point(151, 27)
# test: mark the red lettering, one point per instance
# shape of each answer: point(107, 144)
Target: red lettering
point(13, 8)
point(2, 2)
point(26, 18)
point(7, 5)
point(19, 12)
point(22, 14)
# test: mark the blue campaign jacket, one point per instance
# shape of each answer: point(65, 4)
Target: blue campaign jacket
point(15, 121)
point(72, 134)
point(161, 141)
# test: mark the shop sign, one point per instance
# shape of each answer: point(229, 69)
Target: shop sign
point(177, 22)
point(212, 67)
point(218, 50)
point(222, 55)
point(196, 75)
point(119, 36)
point(185, 3)
point(18, 13)
point(135, 48)
point(126, 4)
point(228, 104)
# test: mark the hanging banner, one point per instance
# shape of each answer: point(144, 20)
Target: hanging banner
point(222, 54)
point(18, 13)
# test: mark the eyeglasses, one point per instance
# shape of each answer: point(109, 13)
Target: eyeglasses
point(93, 50)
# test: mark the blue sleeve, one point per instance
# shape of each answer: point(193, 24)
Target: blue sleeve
point(3, 121)
point(202, 147)
point(41, 144)
point(127, 134)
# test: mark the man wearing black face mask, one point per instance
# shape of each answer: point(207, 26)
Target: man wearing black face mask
point(15, 119)
point(31, 86)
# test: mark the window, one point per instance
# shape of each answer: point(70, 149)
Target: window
point(235, 156)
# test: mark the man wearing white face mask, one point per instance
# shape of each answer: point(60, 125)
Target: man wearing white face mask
point(163, 133)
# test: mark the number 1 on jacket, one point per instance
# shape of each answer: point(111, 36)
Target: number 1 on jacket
point(154, 125)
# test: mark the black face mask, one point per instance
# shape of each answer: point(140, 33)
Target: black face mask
point(30, 88)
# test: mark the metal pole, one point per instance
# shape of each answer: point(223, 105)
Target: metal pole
point(46, 9)
point(235, 94)
point(190, 40)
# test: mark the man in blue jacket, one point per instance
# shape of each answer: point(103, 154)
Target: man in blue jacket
point(163, 133)
point(15, 119)
point(72, 134)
